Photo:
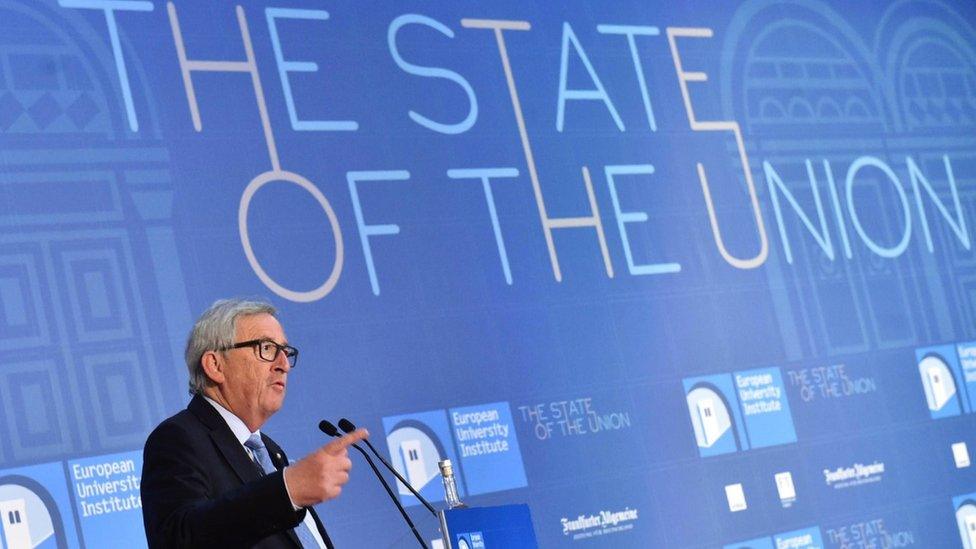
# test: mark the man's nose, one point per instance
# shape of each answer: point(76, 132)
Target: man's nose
point(281, 362)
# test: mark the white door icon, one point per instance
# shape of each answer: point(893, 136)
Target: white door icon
point(416, 465)
point(937, 381)
point(711, 430)
point(16, 531)
point(971, 530)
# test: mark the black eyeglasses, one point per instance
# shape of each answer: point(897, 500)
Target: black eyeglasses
point(268, 350)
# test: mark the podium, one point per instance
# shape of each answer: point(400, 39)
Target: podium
point(508, 526)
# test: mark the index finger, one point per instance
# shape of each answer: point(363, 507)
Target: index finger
point(346, 441)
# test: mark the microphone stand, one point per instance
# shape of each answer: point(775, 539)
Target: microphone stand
point(331, 430)
point(348, 427)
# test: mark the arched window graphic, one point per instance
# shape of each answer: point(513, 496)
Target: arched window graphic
point(942, 391)
point(966, 520)
point(828, 109)
point(807, 50)
point(29, 515)
point(928, 50)
point(56, 86)
point(713, 419)
point(415, 450)
point(771, 108)
point(936, 84)
point(803, 56)
point(855, 109)
point(800, 109)
point(106, 207)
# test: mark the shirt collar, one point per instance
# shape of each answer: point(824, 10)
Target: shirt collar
point(241, 432)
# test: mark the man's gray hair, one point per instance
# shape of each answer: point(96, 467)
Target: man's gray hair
point(216, 329)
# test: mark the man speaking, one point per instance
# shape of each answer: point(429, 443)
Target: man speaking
point(210, 478)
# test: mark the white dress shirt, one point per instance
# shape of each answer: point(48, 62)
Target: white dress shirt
point(242, 433)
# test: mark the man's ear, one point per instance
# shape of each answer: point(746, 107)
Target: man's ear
point(213, 365)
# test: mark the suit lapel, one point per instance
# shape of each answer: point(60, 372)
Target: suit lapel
point(233, 451)
point(280, 461)
point(224, 439)
point(278, 457)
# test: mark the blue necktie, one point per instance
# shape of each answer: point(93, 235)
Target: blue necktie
point(262, 458)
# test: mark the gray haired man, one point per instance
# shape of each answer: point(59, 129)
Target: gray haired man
point(210, 478)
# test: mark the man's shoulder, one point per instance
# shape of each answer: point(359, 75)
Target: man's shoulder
point(181, 425)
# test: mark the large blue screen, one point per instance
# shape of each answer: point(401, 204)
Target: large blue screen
point(674, 274)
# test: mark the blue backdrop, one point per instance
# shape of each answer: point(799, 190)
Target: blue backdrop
point(674, 274)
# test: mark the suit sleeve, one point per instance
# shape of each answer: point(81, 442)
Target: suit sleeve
point(180, 510)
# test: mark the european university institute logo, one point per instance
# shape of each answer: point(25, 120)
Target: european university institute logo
point(479, 440)
point(735, 412)
point(470, 540)
point(806, 538)
point(948, 374)
point(35, 509)
point(965, 507)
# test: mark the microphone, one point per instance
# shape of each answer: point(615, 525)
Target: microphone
point(348, 427)
point(328, 428)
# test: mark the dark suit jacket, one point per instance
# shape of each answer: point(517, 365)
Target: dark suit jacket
point(201, 489)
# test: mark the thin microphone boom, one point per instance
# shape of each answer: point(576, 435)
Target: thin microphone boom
point(348, 427)
point(328, 428)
